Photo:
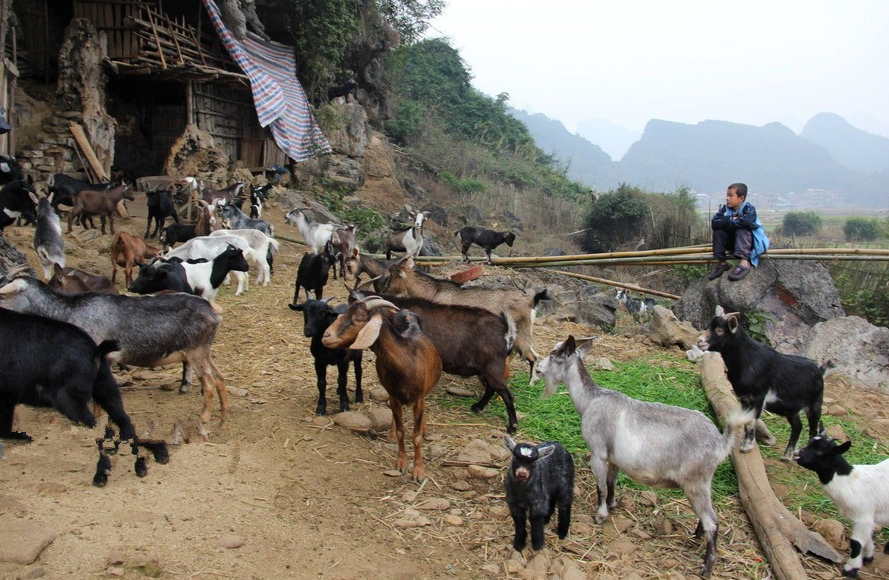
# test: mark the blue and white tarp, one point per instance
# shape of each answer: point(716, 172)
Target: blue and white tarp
point(280, 101)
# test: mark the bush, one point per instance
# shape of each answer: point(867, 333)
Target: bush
point(861, 229)
point(615, 218)
point(798, 223)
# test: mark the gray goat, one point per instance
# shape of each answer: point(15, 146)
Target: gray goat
point(654, 444)
point(48, 241)
point(151, 330)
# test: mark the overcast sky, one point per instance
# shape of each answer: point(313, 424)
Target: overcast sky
point(751, 62)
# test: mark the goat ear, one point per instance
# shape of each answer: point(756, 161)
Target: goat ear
point(842, 448)
point(569, 346)
point(585, 345)
point(733, 322)
point(297, 307)
point(369, 334)
point(545, 451)
point(509, 442)
point(32, 196)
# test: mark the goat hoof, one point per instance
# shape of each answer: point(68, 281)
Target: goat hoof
point(183, 389)
point(141, 468)
point(853, 573)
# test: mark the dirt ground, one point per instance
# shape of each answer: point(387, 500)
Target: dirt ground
point(304, 499)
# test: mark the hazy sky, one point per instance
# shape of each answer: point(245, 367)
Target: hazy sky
point(751, 62)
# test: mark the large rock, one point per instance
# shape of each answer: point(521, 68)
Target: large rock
point(793, 296)
point(667, 330)
point(858, 349)
point(21, 541)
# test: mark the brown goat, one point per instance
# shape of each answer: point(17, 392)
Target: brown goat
point(407, 363)
point(100, 203)
point(74, 281)
point(342, 240)
point(404, 281)
point(128, 250)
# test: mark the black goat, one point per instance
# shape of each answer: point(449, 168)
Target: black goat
point(312, 274)
point(540, 477)
point(487, 239)
point(10, 170)
point(258, 196)
point(65, 188)
point(168, 275)
point(15, 202)
point(160, 207)
point(763, 378)
point(177, 233)
point(317, 317)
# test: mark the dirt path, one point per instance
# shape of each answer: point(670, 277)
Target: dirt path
point(305, 500)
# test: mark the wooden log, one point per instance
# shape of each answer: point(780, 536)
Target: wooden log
point(779, 532)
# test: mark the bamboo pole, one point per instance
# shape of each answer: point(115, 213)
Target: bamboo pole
point(618, 284)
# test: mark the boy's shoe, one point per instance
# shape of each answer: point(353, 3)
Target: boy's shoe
point(718, 270)
point(739, 273)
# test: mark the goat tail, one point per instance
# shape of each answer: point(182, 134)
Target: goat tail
point(275, 244)
point(734, 424)
point(829, 364)
point(105, 348)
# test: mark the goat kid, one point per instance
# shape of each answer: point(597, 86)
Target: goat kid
point(318, 315)
point(540, 478)
point(638, 308)
point(127, 251)
point(258, 196)
point(407, 363)
point(101, 203)
point(315, 234)
point(312, 274)
point(16, 202)
point(654, 444)
point(860, 492)
point(487, 239)
point(236, 220)
point(74, 281)
point(48, 241)
point(764, 379)
point(160, 207)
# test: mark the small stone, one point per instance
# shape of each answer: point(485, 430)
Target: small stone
point(353, 421)
point(833, 531)
point(582, 529)
point(437, 504)
point(572, 571)
point(622, 547)
point(461, 485)
point(460, 392)
point(499, 511)
point(22, 541)
point(321, 421)
point(409, 496)
point(115, 571)
point(603, 364)
point(538, 565)
point(147, 566)
point(392, 473)
point(836, 411)
point(622, 523)
point(492, 570)
point(379, 395)
point(452, 520)
point(115, 559)
point(230, 541)
point(380, 418)
point(483, 472)
point(236, 391)
point(648, 498)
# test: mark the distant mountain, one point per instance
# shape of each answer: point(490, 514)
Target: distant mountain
point(849, 145)
point(586, 162)
point(611, 137)
point(708, 156)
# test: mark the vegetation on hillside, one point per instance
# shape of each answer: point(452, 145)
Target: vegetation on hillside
point(797, 223)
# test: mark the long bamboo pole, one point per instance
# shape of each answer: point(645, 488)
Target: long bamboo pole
point(618, 284)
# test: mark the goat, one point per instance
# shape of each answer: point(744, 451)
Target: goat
point(654, 444)
point(66, 188)
point(74, 281)
point(318, 315)
point(48, 241)
point(638, 308)
point(860, 492)
point(341, 90)
point(764, 379)
point(204, 277)
point(315, 234)
point(231, 194)
point(262, 245)
point(10, 170)
point(407, 363)
point(205, 225)
point(540, 477)
point(161, 276)
point(48, 363)
point(238, 221)
point(208, 247)
point(471, 342)
point(312, 274)
point(409, 241)
point(15, 202)
point(160, 207)
point(151, 330)
point(128, 250)
point(358, 263)
point(403, 280)
point(258, 196)
point(342, 245)
point(487, 239)
point(101, 203)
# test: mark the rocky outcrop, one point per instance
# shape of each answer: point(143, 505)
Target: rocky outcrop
point(790, 296)
point(858, 349)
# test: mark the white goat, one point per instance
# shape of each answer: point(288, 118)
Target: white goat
point(208, 247)
point(261, 244)
point(860, 492)
point(315, 234)
point(654, 444)
point(409, 241)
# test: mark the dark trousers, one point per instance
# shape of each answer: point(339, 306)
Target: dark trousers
point(737, 242)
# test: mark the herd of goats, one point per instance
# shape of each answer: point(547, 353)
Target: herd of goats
point(59, 338)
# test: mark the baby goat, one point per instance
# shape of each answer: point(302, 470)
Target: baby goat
point(540, 477)
point(861, 492)
point(638, 308)
point(654, 444)
point(317, 317)
point(407, 363)
point(763, 378)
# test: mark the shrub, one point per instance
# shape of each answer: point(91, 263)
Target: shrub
point(614, 219)
point(861, 229)
point(797, 223)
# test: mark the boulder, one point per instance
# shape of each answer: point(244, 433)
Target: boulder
point(667, 330)
point(858, 349)
point(793, 296)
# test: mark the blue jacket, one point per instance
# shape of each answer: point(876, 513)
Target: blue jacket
point(744, 218)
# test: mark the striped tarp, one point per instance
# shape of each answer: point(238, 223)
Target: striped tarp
point(280, 101)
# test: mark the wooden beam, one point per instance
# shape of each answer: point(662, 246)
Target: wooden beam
point(83, 142)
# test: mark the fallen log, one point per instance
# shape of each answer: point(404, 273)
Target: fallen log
point(779, 532)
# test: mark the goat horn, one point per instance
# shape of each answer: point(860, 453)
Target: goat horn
point(373, 302)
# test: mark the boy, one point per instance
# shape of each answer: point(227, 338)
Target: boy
point(736, 229)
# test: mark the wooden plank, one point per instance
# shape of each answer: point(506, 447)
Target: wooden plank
point(160, 50)
point(83, 142)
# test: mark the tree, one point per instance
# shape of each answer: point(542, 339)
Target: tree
point(614, 219)
point(861, 229)
point(797, 223)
